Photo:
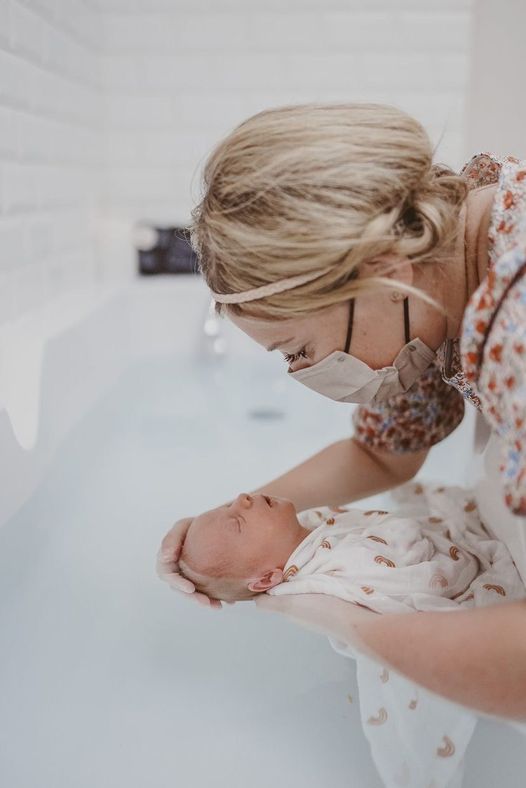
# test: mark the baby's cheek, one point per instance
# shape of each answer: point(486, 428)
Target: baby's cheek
point(249, 560)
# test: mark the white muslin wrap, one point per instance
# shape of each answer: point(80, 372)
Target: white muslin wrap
point(432, 552)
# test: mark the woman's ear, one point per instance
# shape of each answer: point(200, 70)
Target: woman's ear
point(270, 579)
point(393, 267)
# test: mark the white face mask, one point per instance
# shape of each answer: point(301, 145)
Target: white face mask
point(344, 378)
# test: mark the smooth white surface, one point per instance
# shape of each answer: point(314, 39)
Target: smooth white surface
point(107, 677)
point(56, 362)
point(23, 343)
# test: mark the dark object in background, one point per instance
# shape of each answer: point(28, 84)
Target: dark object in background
point(164, 250)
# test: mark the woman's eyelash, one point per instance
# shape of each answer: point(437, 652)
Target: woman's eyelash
point(291, 357)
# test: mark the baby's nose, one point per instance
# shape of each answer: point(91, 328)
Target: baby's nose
point(245, 500)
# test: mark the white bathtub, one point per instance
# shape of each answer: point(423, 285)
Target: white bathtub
point(107, 678)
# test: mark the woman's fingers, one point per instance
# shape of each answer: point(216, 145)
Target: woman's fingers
point(168, 555)
point(168, 568)
point(173, 540)
point(267, 602)
point(168, 571)
point(205, 601)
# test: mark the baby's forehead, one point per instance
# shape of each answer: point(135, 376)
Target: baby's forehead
point(205, 522)
point(197, 535)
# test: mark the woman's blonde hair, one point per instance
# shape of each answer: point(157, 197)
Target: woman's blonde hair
point(297, 188)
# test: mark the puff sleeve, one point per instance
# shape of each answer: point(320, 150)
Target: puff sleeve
point(502, 389)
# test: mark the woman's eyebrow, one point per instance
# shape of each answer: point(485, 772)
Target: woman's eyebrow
point(278, 343)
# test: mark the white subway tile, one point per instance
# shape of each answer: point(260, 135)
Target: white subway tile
point(162, 149)
point(36, 137)
point(60, 187)
point(26, 32)
point(416, 71)
point(275, 31)
point(176, 30)
point(212, 6)
point(40, 235)
point(13, 243)
point(69, 230)
point(209, 110)
point(16, 84)
point(120, 72)
point(28, 288)
point(132, 183)
point(19, 188)
point(8, 134)
point(122, 147)
point(117, 104)
point(45, 95)
point(57, 49)
point(7, 297)
point(55, 277)
point(78, 20)
point(4, 23)
point(394, 31)
point(139, 112)
point(46, 9)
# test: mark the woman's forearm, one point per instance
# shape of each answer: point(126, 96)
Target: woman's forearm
point(475, 657)
point(342, 472)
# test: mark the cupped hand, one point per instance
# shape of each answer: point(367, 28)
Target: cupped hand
point(168, 569)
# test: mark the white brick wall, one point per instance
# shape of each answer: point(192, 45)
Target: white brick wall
point(50, 149)
point(496, 106)
point(108, 108)
point(179, 75)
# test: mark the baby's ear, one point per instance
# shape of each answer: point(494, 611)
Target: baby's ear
point(270, 579)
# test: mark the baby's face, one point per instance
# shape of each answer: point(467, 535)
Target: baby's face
point(255, 533)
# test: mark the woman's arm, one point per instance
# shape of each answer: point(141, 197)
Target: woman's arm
point(343, 472)
point(475, 657)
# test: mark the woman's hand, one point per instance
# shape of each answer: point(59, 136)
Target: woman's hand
point(167, 567)
point(321, 613)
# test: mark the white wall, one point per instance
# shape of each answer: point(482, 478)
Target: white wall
point(179, 75)
point(50, 150)
point(108, 108)
point(496, 103)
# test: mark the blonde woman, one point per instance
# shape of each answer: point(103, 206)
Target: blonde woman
point(327, 232)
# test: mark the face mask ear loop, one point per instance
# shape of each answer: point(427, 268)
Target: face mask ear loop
point(407, 328)
point(406, 320)
point(349, 329)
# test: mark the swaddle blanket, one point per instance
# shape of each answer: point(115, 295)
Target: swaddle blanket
point(432, 552)
point(438, 557)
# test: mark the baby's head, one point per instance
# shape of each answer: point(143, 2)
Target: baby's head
point(239, 550)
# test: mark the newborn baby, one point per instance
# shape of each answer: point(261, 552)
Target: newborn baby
point(239, 550)
point(437, 554)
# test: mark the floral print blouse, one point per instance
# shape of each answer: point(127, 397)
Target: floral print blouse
point(486, 366)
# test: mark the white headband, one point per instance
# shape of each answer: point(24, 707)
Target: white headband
point(270, 289)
